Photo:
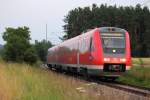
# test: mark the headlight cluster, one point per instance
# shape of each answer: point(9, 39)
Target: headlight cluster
point(106, 59)
point(122, 59)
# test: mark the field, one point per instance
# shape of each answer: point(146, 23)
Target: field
point(25, 82)
point(139, 74)
point(143, 62)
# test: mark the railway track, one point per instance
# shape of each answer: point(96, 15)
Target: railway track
point(140, 91)
point(128, 88)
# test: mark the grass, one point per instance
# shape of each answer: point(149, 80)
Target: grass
point(24, 82)
point(141, 61)
point(139, 75)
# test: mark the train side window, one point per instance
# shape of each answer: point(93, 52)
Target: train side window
point(91, 45)
point(87, 44)
point(84, 45)
point(80, 45)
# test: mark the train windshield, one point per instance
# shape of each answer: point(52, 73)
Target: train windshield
point(113, 42)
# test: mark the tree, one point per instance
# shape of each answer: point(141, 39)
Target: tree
point(30, 55)
point(1, 50)
point(41, 49)
point(136, 20)
point(17, 44)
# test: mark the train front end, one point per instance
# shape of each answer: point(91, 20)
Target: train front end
point(115, 45)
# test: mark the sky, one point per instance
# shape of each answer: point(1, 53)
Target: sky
point(35, 14)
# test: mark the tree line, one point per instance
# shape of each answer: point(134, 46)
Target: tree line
point(136, 20)
point(19, 49)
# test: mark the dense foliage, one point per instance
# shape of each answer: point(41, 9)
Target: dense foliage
point(41, 49)
point(136, 20)
point(18, 47)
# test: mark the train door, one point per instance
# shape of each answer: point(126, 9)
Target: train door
point(91, 49)
point(78, 53)
point(84, 53)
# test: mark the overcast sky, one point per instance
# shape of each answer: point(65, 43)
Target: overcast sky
point(37, 13)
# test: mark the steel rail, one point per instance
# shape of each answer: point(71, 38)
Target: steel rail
point(113, 84)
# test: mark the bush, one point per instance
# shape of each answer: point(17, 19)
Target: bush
point(41, 48)
point(30, 56)
point(18, 47)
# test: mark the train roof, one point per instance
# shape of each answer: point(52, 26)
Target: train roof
point(102, 29)
point(66, 41)
point(108, 29)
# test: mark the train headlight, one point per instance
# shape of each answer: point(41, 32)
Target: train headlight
point(123, 60)
point(106, 59)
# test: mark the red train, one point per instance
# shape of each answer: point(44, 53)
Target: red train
point(102, 51)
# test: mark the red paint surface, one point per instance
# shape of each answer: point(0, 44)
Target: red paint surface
point(66, 52)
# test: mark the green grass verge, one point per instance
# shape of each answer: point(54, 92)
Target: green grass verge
point(138, 75)
point(141, 61)
point(24, 82)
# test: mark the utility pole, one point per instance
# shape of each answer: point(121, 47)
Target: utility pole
point(46, 32)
